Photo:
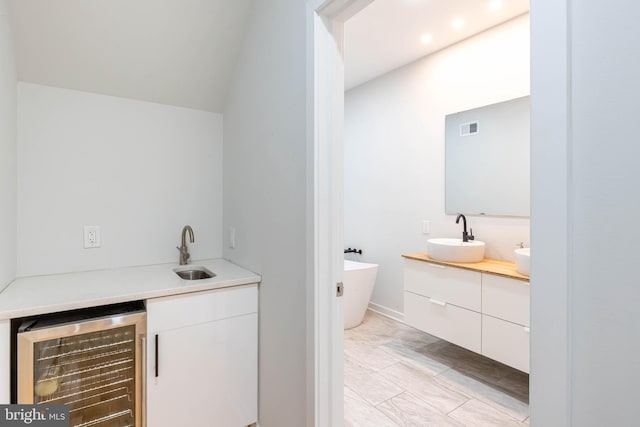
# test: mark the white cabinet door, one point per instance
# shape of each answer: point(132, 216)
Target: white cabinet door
point(506, 342)
point(207, 375)
point(506, 298)
point(448, 284)
point(206, 369)
point(454, 324)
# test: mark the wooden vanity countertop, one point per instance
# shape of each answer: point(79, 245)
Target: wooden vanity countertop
point(488, 265)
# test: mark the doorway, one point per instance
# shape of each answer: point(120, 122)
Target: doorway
point(549, 83)
point(394, 180)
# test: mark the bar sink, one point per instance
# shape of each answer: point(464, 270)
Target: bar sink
point(455, 250)
point(193, 273)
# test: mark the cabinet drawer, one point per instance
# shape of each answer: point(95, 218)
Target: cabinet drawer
point(506, 342)
point(199, 307)
point(446, 321)
point(448, 284)
point(506, 298)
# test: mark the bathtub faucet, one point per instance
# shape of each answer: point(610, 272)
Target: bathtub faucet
point(353, 251)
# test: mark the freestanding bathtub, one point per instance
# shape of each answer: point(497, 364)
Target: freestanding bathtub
point(358, 280)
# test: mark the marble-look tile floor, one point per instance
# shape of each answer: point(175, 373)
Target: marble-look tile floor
point(395, 375)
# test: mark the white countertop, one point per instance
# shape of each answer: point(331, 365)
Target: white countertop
point(27, 296)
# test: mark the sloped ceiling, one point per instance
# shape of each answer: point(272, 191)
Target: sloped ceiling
point(386, 34)
point(183, 52)
point(177, 52)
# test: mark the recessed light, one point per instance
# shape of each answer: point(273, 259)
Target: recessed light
point(426, 38)
point(457, 23)
point(495, 5)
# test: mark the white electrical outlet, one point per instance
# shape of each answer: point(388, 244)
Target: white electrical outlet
point(426, 227)
point(92, 236)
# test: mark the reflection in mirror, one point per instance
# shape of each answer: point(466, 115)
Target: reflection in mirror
point(487, 160)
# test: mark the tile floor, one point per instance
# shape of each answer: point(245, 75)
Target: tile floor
point(395, 375)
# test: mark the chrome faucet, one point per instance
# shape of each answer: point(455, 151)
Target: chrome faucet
point(184, 251)
point(465, 236)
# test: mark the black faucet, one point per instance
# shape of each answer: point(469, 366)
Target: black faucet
point(465, 236)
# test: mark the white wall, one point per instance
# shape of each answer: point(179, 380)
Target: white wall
point(605, 207)
point(394, 151)
point(265, 196)
point(8, 140)
point(585, 319)
point(549, 391)
point(139, 170)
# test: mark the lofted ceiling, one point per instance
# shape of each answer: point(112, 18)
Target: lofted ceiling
point(183, 52)
point(387, 33)
point(177, 52)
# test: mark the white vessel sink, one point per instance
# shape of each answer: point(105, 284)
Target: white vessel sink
point(455, 250)
point(523, 260)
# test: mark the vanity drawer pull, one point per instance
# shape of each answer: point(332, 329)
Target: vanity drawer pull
point(435, 301)
point(436, 265)
point(526, 329)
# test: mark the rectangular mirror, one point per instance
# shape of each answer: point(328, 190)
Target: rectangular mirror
point(487, 160)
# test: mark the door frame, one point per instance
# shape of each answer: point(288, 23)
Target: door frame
point(325, 115)
point(550, 393)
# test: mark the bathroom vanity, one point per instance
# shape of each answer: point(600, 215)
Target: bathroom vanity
point(481, 306)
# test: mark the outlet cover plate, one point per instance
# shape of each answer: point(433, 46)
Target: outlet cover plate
point(92, 238)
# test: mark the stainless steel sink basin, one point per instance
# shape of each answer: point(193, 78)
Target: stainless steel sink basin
point(194, 273)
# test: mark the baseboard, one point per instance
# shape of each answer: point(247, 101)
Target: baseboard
point(386, 311)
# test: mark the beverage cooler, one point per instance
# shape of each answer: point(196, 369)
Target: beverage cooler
point(91, 360)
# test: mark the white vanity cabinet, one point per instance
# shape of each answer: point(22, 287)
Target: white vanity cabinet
point(202, 358)
point(483, 312)
point(443, 301)
point(505, 320)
